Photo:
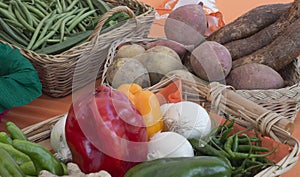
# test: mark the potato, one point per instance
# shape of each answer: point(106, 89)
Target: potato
point(211, 61)
point(158, 65)
point(129, 51)
point(254, 76)
point(185, 75)
point(164, 50)
point(126, 71)
point(186, 25)
point(177, 47)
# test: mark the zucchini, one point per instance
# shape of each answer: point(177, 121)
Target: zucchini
point(198, 166)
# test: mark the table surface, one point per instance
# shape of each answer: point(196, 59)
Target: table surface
point(46, 107)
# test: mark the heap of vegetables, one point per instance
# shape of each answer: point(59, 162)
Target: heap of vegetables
point(20, 157)
point(52, 26)
point(128, 132)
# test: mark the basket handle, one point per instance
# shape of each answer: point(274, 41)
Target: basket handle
point(108, 14)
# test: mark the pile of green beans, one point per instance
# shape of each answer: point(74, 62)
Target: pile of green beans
point(246, 155)
point(51, 26)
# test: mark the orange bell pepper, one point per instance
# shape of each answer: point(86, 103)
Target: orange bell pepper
point(147, 104)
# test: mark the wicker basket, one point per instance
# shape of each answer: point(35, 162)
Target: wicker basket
point(56, 71)
point(284, 101)
point(221, 99)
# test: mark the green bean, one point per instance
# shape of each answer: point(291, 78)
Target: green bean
point(62, 27)
point(23, 22)
point(35, 10)
point(47, 25)
point(20, 33)
point(59, 7)
point(7, 14)
point(40, 8)
point(91, 6)
point(63, 5)
point(13, 23)
point(49, 35)
point(25, 10)
point(72, 5)
point(3, 5)
point(81, 27)
point(37, 31)
point(77, 15)
point(11, 33)
point(71, 27)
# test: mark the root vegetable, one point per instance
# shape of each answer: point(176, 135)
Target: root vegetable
point(243, 47)
point(165, 50)
point(249, 23)
point(158, 65)
point(129, 51)
point(254, 76)
point(177, 47)
point(211, 61)
point(282, 51)
point(126, 71)
point(186, 25)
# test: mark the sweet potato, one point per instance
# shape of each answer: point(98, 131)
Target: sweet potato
point(186, 25)
point(249, 23)
point(246, 46)
point(211, 61)
point(282, 51)
point(126, 71)
point(254, 76)
point(177, 47)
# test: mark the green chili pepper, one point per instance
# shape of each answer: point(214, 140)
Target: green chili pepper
point(4, 138)
point(15, 132)
point(8, 166)
point(42, 158)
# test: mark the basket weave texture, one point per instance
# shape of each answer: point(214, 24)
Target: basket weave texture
point(56, 71)
point(219, 99)
point(284, 101)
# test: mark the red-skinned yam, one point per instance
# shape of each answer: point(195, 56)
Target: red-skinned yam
point(254, 76)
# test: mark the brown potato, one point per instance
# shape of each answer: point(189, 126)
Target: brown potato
point(164, 50)
point(126, 71)
point(158, 65)
point(129, 51)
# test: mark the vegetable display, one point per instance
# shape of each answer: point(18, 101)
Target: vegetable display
point(103, 130)
point(52, 26)
point(20, 157)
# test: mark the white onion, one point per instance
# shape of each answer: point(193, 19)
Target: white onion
point(188, 119)
point(165, 107)
point(169, 144)
point(58, 140)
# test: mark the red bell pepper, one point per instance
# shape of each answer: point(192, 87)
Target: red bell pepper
point(105, 132)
